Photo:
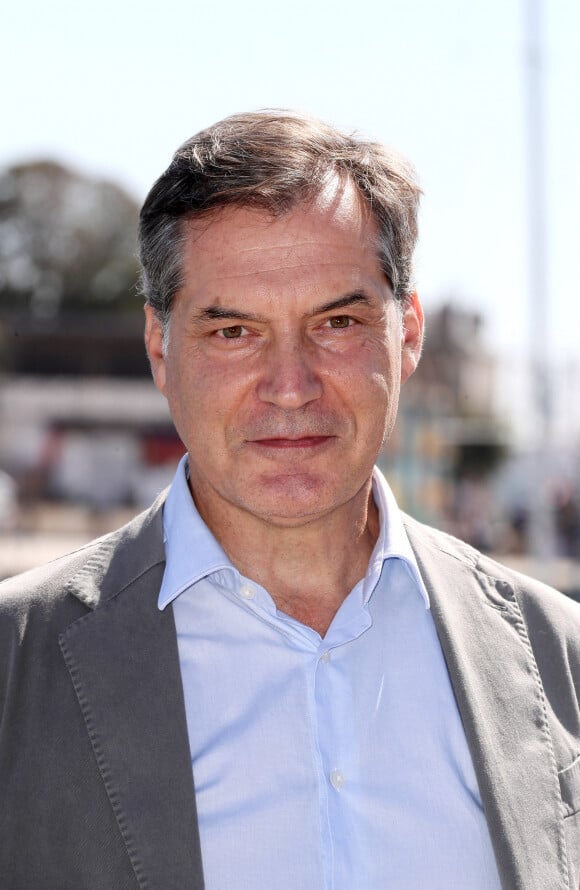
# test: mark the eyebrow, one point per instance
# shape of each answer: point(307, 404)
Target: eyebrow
point(220, 312)
point(213, 312)
point(358, 296)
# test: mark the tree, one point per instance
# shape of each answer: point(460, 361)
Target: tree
point(67, 243)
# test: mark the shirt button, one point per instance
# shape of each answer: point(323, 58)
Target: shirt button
point(247, 592)
point(336, 779)
point(325, 657)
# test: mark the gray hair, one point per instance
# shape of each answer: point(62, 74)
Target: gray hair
point(273, 161)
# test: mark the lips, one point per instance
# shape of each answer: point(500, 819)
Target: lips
point(294, 442)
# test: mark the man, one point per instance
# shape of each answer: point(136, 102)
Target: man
point(272, 678)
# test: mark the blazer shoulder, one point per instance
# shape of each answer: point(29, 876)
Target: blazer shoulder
point(45, 587)
point(540, 604)
point(426, 538)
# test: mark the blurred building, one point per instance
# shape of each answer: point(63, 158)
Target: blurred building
point(80, 420)
point(449, 439)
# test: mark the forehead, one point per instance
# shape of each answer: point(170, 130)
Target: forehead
point(334, 231)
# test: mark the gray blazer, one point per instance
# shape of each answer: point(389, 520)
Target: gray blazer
point(96, 786)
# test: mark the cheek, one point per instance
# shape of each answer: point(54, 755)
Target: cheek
point(381, 391)
point(205, 397)
point(382, 369)
point(183, 397)
point(366, 374)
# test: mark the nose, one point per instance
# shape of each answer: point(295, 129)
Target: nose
point(289, 378)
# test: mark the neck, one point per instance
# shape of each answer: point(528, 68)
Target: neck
point(307, 569)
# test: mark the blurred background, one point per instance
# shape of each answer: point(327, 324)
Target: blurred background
point(483, 97)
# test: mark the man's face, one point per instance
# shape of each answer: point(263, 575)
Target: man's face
point(285, 357)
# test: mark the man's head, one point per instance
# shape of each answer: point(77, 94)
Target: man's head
point(273, 161)
point(280, 316)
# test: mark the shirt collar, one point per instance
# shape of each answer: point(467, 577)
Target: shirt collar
point(192, 552)
point(392, 542)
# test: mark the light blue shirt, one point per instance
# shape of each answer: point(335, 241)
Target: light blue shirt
point(322, 764)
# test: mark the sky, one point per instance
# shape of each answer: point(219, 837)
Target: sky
point(113, 87)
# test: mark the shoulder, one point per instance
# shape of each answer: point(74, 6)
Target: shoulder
point(39, 606)
point(542, 607)
point(79, 575)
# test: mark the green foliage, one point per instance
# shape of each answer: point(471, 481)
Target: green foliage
point(67, 243)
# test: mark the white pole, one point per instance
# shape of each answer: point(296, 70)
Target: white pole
point(541, 524)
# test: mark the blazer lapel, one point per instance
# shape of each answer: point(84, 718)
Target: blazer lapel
point(500, 698)
point(123, 661)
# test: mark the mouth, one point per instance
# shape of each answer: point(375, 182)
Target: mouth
point(280, 442)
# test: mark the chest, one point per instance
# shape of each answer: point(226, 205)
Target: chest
point(349, 748)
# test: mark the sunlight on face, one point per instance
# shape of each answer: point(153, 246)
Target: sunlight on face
point(285, 358)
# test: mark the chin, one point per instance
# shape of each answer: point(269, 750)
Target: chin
point(299, 497)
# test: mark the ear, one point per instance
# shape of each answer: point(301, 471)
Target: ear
point(412, 335)
point(154, 347)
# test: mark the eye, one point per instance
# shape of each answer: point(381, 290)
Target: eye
point(340, 321)
point(233, 332)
